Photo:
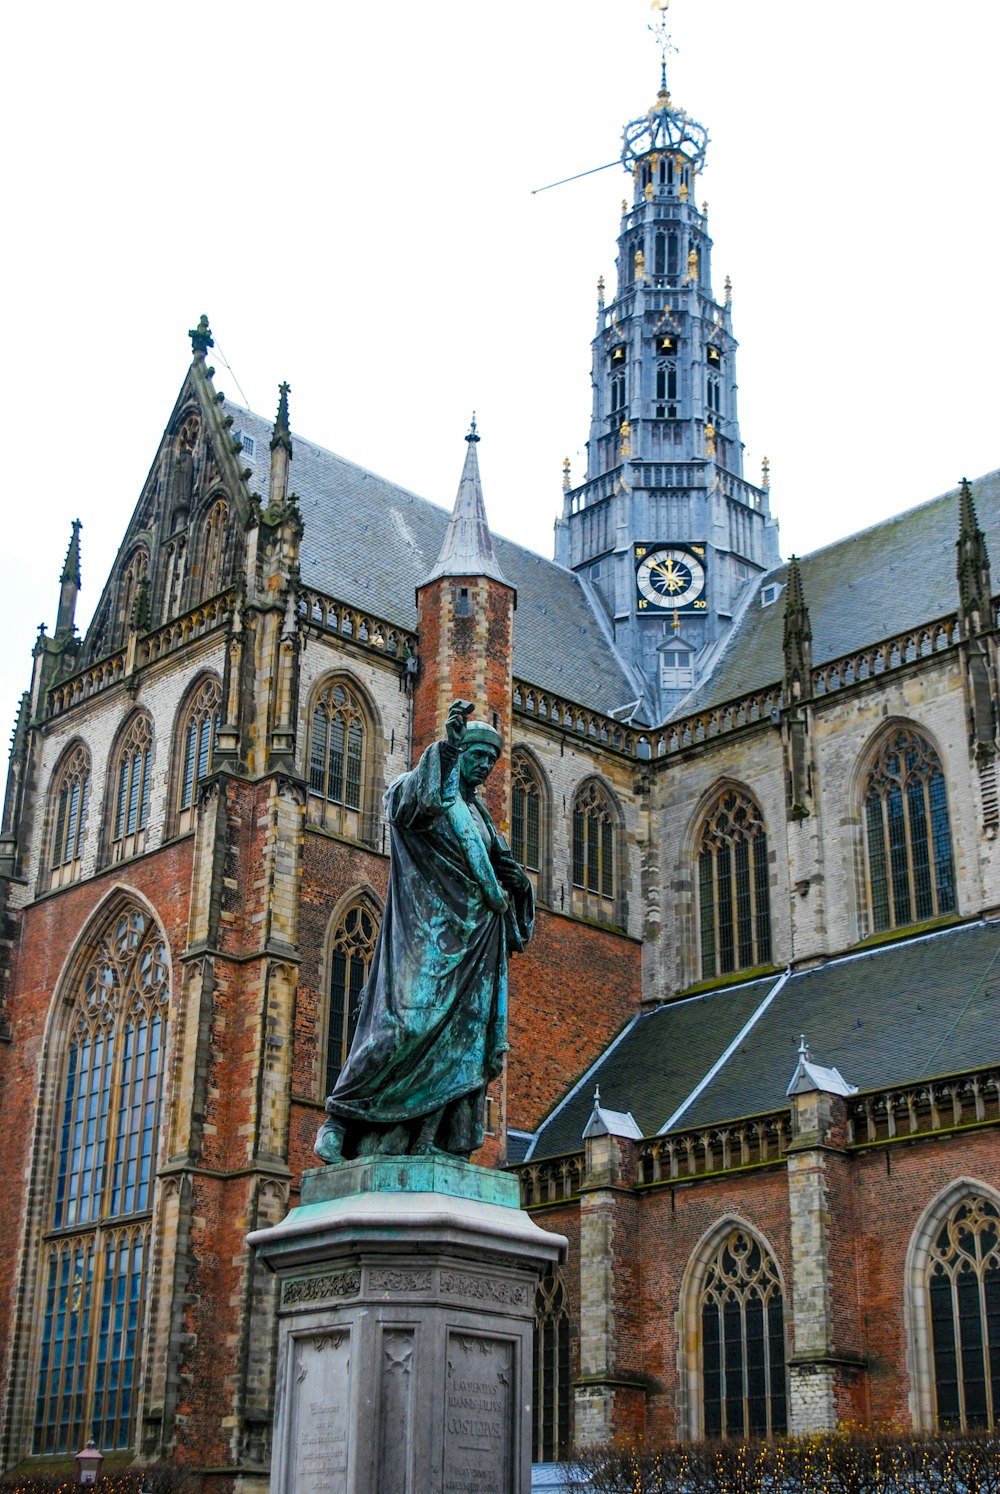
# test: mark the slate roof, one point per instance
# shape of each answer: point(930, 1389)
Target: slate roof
point(922, 1008)
point(875, 583)
point(369, 543)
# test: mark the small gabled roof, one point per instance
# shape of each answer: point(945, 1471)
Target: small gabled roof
point(604, 1122)
point(810, 1076)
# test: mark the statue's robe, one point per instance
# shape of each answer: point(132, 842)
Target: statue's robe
point(432, 1019)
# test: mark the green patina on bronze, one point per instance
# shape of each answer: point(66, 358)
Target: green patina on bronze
point(432, 1020)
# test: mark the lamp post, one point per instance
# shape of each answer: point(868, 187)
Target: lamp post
point(89, 1460)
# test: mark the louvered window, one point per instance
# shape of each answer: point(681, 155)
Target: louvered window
point(133, 774)
point(70, 794)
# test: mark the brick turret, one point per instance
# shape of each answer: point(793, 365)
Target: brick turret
point(465, 616)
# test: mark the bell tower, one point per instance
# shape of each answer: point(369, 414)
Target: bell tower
point(665, 526)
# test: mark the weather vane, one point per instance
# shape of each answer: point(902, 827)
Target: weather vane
point(659, 30)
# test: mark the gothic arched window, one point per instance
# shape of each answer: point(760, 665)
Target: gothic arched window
point(908, 861)
point(215, 547)
point(742, 1342)
point(95, 1252)
point(734, 909)
point(68, 816)
point(351, 950)
point(197, 739)
point(594, 846)
point(963, 1298)
point(525, 812)
point(337, 751)
point(550, 1401)
point(132, 768)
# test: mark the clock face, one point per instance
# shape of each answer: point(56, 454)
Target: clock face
point(670, 578)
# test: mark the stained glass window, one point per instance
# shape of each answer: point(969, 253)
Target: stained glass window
point(734, 908)
point(742, 1342)
point(351, 953)
point(911, 875)
point(550, 1402)
point(963, 1289)
point(95, 1254)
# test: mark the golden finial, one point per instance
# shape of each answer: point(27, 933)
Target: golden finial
point(625, 432)
point(682, 192)
point(692, 273)
point(640, 265)
point(676, 624)
point(566, 482)
point(710, 439)
point(765, 470)
point(729, 291)
point(649, 191)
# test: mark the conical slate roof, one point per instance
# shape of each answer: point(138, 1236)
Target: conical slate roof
point(468, 544)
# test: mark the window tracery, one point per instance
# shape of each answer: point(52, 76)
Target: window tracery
point(68, 809)
point(96, 1249)
point(197, 741)
point(594, 867)
point(351, 950)
point(742, 1342)
point(910, 874)
point(963, 1302)
point(550, 1401)
point(132, 783)
point(734, 907)
point(338, 747)
point(525, 813)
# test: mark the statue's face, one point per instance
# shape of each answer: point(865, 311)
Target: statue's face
point(475, 764)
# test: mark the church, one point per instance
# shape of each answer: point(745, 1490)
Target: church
point(754, 1065)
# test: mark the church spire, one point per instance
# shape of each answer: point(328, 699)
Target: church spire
point(281, 450)
point(69, 584)
point(467, 549)
point(974, 589)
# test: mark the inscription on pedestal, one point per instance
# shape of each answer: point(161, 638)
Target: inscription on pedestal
point(318, 1446)
point(479, 1419)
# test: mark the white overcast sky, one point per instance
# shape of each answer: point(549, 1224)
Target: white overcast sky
point(346, 190)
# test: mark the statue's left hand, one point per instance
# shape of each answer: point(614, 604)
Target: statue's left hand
point(512, 878)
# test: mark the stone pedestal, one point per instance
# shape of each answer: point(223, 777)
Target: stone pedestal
point(406, 1310)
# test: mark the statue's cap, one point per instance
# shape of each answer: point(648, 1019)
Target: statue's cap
point(481, 734)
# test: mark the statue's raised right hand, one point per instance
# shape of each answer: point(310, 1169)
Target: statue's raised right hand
point(458, 717)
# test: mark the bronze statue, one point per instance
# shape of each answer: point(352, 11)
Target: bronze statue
point(432, 1020)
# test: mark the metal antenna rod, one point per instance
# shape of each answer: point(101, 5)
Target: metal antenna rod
point(562, 182)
